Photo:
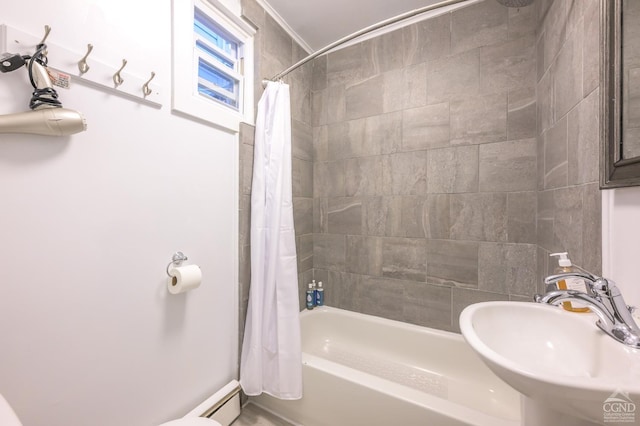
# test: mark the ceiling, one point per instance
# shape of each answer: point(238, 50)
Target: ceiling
point(320, 22)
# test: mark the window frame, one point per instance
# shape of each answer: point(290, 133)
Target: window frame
point(186, 98)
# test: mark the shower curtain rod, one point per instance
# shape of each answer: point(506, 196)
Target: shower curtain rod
point(361, 32)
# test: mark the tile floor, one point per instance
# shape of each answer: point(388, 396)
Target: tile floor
point(252, 415)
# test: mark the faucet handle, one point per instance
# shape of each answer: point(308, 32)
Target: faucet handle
point(600, 285)
point(606, 287)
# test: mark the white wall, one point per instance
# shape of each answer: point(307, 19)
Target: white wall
point(88, 223)
point(621, 241)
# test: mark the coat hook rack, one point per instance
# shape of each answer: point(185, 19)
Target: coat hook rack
point(70, 61)
point(83, 66)
point(146, 90)
point(117, 78)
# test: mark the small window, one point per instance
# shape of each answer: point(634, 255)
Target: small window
point(219, 73)
point(213, 75)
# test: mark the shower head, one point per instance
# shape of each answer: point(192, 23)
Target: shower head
point(515, 3)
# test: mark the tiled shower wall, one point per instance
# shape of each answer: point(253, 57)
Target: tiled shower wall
point(433, 177)
point(568, 128)
point(425, 166)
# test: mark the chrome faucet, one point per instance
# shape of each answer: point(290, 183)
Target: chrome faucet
point(604, 299)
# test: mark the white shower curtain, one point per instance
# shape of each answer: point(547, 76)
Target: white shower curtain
point(271, 350)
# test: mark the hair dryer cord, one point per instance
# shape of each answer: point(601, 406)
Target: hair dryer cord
point(41, 95)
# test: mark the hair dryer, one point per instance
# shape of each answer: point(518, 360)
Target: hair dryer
point(44, 121)
point(47, 116)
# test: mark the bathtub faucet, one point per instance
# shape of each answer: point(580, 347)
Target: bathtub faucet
point(604, 299)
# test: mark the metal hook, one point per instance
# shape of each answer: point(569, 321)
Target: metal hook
point(117, 78)
point(146, 90)
point(82, 63)
point(47, 30)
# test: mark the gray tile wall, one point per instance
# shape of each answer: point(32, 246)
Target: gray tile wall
point(425, 167)
point(569, 218)
point(439, 165)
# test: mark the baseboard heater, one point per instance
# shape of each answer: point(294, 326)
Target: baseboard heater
point(223, 406)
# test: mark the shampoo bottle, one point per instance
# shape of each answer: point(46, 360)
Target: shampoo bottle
point(320, 295)
point(578, 284)
point(310, 297)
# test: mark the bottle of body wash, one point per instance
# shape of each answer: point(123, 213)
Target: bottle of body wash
point(311, 297)
point(578, 284)
point(320, 295)
point(315, 292)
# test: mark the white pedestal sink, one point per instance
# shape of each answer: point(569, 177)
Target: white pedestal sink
point(560, 361)
point(7, 415)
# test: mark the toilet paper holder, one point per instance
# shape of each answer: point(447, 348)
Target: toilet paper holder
point(177, 258)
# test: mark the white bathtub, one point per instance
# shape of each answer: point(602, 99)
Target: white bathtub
point(364, 370)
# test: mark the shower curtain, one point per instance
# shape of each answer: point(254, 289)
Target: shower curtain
point(271, 349)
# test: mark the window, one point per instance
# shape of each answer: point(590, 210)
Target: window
point(219, 75)
point(212, 64)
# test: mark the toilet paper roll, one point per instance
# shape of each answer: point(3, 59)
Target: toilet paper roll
point(184, 278)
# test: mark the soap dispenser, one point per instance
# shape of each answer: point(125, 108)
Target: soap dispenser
point(577, 284)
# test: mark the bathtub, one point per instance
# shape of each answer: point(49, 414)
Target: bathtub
point(364, 370)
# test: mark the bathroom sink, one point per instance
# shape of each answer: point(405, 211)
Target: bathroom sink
point(7, 415)
point(558, 360)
